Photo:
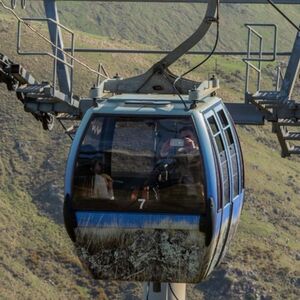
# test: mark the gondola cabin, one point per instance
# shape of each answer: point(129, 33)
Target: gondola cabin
point(154, 191)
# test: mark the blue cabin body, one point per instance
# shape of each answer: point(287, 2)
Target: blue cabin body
point(154, 192)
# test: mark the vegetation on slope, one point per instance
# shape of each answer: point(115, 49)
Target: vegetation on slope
point(36, 256)
point(168, 24)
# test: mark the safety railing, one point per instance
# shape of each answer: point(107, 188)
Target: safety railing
point(280, 70)
point(56, 49)
point(257, 56)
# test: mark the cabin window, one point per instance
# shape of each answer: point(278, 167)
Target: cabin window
point(133, 141)
point(241, 163)
point(239, 153)
point(91, 138)
point(140, 164)
point(232, 151)
point(222, 158)
point(218, 175)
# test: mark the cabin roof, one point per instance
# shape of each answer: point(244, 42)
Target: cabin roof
point(152, 104)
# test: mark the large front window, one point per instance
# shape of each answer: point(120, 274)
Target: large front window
point(139, 164)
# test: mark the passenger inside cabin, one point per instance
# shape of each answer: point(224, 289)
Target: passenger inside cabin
point(189, 139)
point(180, 170)
point(181, 158)
point(102, 183)
point(186, 143)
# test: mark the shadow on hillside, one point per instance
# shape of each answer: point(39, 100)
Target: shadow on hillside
point(217, 286)
point(47, 190)
point(49, 200)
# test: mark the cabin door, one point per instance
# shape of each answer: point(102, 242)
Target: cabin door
point(237, 174)
point(224, 163)
point(232, 202)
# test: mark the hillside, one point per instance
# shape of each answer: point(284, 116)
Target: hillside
point(166, 25)
point(37, 259)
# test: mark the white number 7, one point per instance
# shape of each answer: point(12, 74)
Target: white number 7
point(142, 202)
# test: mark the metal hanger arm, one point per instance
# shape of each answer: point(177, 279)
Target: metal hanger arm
point(189, 43)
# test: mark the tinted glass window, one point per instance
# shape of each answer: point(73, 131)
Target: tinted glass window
point(222, 157)
point(222, 118)
point(134, 164)
point(235, 173)
point(132, 140)
point(226, 183)
point(218, 175)
point(220, 143)
point(240, 170)
point(213, 124)
point(232, 151)
point(242, 174)
point(92, 136)
point(229, 136)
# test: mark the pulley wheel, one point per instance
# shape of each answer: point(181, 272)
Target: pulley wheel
point(48, 122)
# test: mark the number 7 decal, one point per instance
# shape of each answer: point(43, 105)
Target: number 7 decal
point(142, 201)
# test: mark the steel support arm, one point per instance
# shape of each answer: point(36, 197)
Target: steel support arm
point(57, 39)
point(193, 39)
point(292, 71)
point(158, 78)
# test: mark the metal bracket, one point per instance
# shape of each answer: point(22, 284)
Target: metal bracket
point(5, 73)
point(206, 88)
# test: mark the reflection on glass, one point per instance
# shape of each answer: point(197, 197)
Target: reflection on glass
point(134, 164)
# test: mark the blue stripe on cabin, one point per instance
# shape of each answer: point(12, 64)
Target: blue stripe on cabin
point(137, 220)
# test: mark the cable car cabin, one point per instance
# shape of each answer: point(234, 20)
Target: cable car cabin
point(153, 191)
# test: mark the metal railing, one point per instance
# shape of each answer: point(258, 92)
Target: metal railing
point(280, 74)
point(56, 48)
point(258, 55)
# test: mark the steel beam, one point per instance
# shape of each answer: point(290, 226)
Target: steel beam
point(246, 114)
point(138, 51)
point(56, 37)
point(292, 71)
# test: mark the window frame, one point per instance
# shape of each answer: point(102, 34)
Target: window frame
point(230, 126)
point(239, 154)
point(209, 114)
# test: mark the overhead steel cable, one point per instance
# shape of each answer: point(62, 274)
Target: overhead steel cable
point(217, 20)
point(176, 90)
point(52, 44)
point(65, 129)
point(284, 15)
point(214, 47)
